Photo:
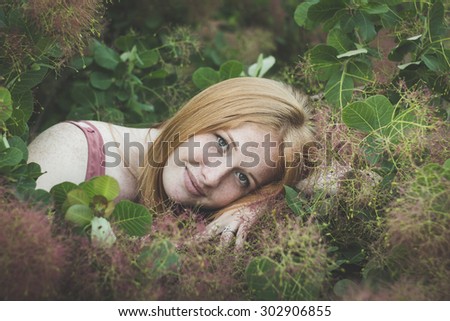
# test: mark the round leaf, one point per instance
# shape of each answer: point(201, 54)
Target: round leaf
point(60, 191)
point(134, 218)
point(231, 69)
point(370, 115)
point(78, 196)
point(161, 256)
point(325, 10)
point(323, 59)
point(100, 80)
point(339, 89)
point(30, 79)
point(79, 214)
point(106, 57)
point(102, 185)
point(339, 40)
point(342, 286)
point(204, 77)
point(23, 100)
point(148, 58)
point(262, 275)
point(301, 12)
point(10, 157)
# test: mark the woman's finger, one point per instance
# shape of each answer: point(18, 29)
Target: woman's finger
point(229, 232)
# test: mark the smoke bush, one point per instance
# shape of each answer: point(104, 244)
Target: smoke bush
point(32, 261)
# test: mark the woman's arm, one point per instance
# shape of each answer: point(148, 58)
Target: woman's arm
point(61, 151)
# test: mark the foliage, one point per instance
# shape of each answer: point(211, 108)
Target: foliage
point(91, 206)
point(35, 39)
point(128, 82)
point(346, 60)
point(204, 77)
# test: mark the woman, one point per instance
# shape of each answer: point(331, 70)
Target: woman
point(230, 147)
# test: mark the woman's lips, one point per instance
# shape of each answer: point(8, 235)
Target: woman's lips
point(191, 184)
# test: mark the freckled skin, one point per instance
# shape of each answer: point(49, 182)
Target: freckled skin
point(216, 173)
point(62, 153)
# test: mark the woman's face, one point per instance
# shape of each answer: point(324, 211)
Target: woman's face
point(214, 169)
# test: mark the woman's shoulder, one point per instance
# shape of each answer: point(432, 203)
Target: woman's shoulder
point(61, 151)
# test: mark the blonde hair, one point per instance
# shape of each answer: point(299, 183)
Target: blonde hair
point(226, 105)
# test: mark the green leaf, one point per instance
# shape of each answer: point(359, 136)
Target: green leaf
point(324, 61)
point(29, 80)
point(100, 80)
point(352, 53)
point(134, 218)
point(18, 143)
point(339, 40)
point(343, 286)
point(5, 104)
point(24, 101)
point(102, 234)
point(373, 114)
point(376, 8)
point(325, 9)
point(113, 115)
point(204, 77)
point(78, 196)
point(10, 157)
point(59, 192)
point(436, 23)
point(81, 62)
point(158, 74)
point(79, 214)
point(292, 200)
point(106, 57)
point(83, 94)
point(148, 58)
point(125, 43)
point(38, 198)
point(230, 69)
point(404, 121)
point(301, 12)
point(33, 170)
point(403, 48)
point(161, 257)
point(339, 89)
point(434, 63)
point(105, 186)
point(360, 70)
point(17, 123)
point(262, 274)
point(447, 164)
point(365, 27)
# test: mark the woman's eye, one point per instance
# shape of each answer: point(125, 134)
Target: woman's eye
point(222, 143)
point(243, 179)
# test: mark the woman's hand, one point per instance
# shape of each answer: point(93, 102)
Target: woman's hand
point(233, 224)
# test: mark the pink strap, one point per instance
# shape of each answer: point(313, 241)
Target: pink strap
point(96, 154)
